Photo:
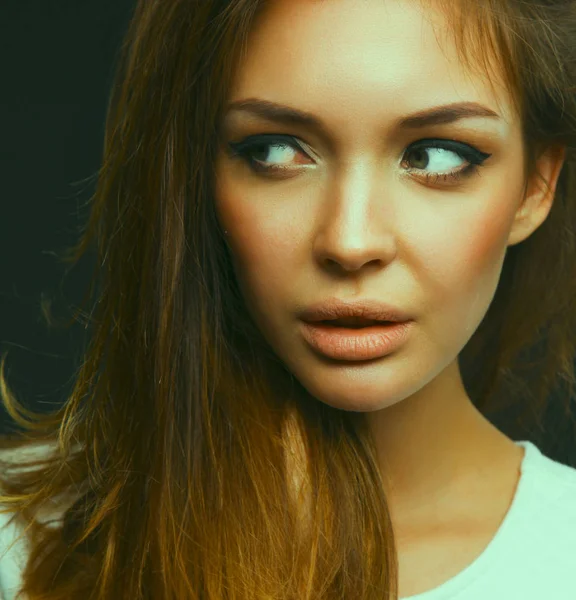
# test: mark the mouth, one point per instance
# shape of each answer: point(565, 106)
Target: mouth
point(353, 323)
point(341, 339)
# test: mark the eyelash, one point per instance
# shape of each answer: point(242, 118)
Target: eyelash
point(473, 156)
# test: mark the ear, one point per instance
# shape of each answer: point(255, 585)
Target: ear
point(538, 197)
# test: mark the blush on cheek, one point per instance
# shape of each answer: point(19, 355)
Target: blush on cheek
point(484, 249)
point(487, 239)
point(248, 244)
point(469, 259)
point(481, 259)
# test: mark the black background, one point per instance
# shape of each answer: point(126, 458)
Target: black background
point(57, 60)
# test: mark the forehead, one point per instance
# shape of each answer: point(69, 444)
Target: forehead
point(365, 53)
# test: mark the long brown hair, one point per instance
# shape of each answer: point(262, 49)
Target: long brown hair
point(190, 462)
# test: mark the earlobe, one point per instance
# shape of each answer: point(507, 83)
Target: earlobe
point(539, 195)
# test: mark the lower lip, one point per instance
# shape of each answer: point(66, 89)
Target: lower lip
point(345, 343)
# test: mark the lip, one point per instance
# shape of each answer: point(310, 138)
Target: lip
point(334, 308)
point(344, 343)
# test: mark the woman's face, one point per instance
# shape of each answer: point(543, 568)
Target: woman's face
point(353, 215)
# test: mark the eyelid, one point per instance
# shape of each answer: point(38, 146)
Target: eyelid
point(444, 143)
point(269, 138)
point(461, 148)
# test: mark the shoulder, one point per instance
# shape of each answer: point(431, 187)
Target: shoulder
point(552, 482)
point(548, 504)
point(14, 550)
point(14, 543)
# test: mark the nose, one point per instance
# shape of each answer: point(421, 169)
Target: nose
point(357, 226)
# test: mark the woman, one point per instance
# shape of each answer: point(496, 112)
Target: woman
point(362, 216)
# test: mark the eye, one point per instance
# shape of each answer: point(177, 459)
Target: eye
point(260, 151)
point(440, 155)
point(437, 153)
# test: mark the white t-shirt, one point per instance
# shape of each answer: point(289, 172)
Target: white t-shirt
point(531, 557)
point(533, 554)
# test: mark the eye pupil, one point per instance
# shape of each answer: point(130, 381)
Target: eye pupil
point(261, 148)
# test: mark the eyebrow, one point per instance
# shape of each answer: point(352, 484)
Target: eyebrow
point(436, 115)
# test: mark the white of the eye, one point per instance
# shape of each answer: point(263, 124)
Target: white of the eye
point(283, 147)
point(443, 152)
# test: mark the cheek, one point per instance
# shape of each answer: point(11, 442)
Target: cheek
point(261, 240)
point(486, 241)
point(473, 262)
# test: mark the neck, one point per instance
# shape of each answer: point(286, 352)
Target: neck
point(437, 451)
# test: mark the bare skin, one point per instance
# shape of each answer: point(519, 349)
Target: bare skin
point(354, 220)
point(444, 519)
point(450, 524)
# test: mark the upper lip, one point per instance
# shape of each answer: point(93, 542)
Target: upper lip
point(334, 308)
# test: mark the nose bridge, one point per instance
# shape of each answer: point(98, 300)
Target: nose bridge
point(358, 218)
point(357, 202)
